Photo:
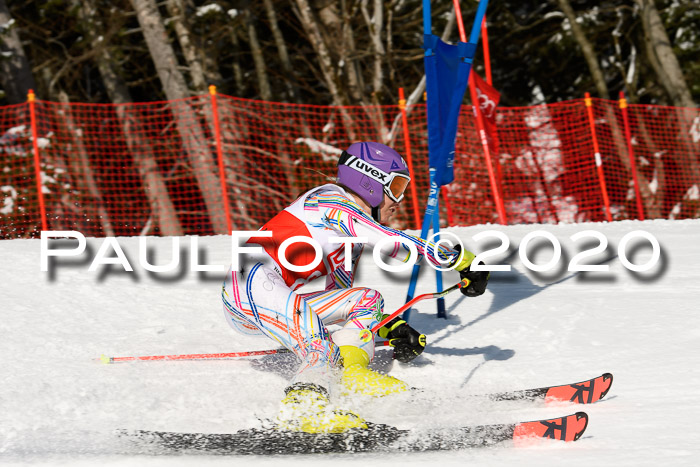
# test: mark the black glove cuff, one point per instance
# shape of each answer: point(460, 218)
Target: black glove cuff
point(477, 281)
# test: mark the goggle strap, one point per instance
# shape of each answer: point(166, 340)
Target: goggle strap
point(344, 156)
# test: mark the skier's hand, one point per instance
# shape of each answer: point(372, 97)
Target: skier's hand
point(477, 281)
point(407, 342)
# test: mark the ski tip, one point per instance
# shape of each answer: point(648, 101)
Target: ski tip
point(607, 379)
point(580, 416)
point(585, 392)
point(568, 428)
point(105, 359)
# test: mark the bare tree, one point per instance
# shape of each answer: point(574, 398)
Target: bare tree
point(629, 73)
point(648, 195)
point(661, 56)
point(665, 64)
point(587, 49)
point(162, 208)
point(191, 133)
point(80, 166)
point(313, 33)
point(15, 73)
point(282, 50)
point(328, 70)
point(340, 30)
point(375, 26)
point(239, 82)
point(258, 58)
point(176, 9)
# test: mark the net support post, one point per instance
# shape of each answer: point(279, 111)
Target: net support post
point(630, 151)
point(598, 159)
point(31, 98)
point(220, 156)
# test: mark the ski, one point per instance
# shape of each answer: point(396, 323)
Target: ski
point(584, 392)
point(375, 438)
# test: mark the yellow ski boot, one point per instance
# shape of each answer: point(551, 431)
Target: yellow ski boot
point(306, 408)
point(357, 378)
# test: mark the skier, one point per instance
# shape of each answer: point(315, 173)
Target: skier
point(261, 299)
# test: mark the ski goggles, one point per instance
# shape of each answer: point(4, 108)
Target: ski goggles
point(397, 186)
point(394, 183)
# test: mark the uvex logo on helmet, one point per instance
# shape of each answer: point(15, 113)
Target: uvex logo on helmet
point(372, 170)
point(367, 169)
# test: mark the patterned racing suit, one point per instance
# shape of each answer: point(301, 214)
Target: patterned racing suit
point(261, 299)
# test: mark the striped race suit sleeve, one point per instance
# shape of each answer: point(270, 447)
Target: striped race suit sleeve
point(343, 215)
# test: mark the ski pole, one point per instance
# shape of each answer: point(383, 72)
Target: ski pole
point(196, 356)
point(463, 283)
point(212, 356)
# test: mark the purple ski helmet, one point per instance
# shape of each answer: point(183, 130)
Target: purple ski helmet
point(372, 169)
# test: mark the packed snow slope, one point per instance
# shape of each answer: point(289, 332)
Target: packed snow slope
point(59, 405)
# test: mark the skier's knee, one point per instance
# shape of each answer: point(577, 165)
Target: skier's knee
point(371, 302)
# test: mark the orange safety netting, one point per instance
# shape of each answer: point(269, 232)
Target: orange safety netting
point(178, 167)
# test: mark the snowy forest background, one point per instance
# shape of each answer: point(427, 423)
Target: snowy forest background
point(347, 52)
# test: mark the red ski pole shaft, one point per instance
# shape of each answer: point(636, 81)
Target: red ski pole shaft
point(196, 356)
point(409, 304)
point(212, 356)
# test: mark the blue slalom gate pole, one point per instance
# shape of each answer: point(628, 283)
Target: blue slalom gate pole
point(447, 69)
point(431, 212)
point(438, 274)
